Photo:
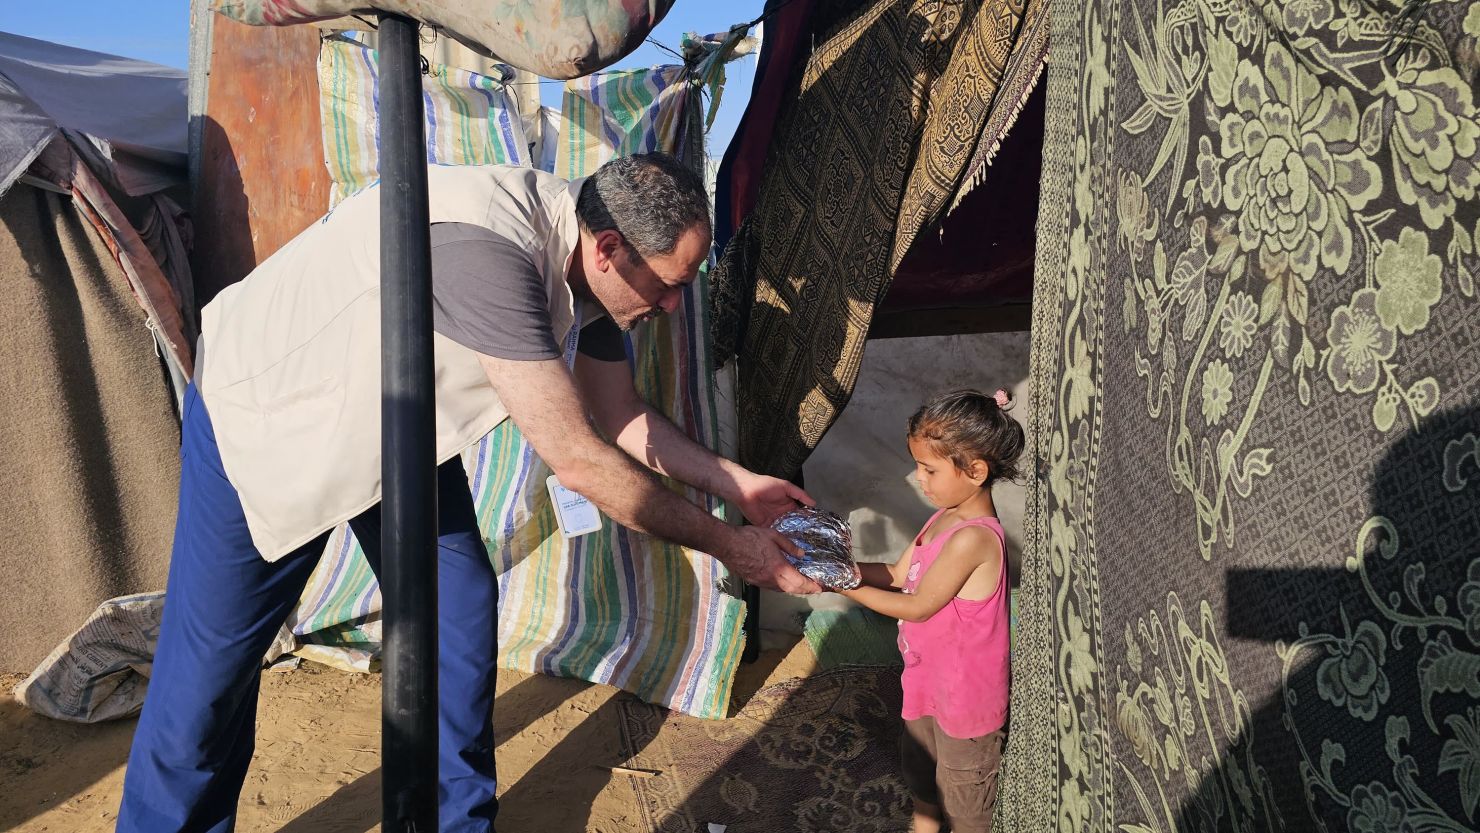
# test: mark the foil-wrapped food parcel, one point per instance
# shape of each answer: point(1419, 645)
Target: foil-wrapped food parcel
point(826, 543)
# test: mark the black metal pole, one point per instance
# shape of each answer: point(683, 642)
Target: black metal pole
point(751, 595)
point(408, 444)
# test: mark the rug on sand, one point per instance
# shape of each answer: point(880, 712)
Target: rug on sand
point(809, 755)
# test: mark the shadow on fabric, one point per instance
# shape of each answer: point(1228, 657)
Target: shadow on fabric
point(1377, 724)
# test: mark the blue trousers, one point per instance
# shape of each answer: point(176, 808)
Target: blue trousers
point(223, 606)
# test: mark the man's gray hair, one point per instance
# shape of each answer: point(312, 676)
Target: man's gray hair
point(650, 199)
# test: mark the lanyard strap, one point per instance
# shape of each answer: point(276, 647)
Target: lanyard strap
point(573, 338)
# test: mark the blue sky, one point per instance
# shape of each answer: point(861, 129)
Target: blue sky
point(159, 30)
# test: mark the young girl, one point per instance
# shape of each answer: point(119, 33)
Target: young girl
point(949, 591)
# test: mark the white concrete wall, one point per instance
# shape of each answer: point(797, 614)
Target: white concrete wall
point(863, 470)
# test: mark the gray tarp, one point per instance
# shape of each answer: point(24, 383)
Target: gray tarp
point(132, 112)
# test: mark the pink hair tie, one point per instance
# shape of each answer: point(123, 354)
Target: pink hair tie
point(1002, 398)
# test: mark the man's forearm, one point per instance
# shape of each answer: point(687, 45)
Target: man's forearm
point(543, 402)
point(663, 447)
point(632, 498)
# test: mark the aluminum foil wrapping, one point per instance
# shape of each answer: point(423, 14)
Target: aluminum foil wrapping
point(826, 543)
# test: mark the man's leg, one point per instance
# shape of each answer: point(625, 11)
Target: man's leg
point(467, 654)
point(223, 605)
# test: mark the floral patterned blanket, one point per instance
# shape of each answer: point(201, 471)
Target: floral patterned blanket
point(816, 754)
point(1251, 599)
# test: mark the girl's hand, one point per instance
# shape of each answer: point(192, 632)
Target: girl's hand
point(763, 499)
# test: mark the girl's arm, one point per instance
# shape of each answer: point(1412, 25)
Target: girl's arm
point(967, 549)
point(877, 574)
point(884, 575)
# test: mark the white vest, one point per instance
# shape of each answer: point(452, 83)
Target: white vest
point(289, 368)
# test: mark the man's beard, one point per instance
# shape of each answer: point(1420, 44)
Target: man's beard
point(641, 319)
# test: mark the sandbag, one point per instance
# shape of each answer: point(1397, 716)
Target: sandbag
point(101, 672)
point(554, 38)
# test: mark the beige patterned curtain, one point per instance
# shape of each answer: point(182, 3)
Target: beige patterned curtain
point(1251, 600)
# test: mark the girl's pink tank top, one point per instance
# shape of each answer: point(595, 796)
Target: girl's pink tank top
point(956, 662)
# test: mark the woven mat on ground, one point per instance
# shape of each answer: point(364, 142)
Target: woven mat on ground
point(880, 133)
point(813, 754)
point(1251, 591)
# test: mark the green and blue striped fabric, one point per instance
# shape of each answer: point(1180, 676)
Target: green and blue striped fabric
point(615, 606)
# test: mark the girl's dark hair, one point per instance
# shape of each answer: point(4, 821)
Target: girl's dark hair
point(967, 425)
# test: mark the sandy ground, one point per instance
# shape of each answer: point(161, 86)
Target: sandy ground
point(318, 755)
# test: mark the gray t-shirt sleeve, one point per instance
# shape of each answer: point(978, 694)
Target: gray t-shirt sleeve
point(488, 296)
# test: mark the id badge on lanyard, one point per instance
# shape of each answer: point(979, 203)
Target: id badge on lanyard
point(576, 514)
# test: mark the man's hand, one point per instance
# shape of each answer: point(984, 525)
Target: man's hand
point(755, 553)
point(764, 499)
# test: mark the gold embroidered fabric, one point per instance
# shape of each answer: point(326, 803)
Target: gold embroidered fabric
point(888, 112)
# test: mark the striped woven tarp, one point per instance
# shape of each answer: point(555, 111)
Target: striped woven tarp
point(621, 113)
point(470, 119)
point(618, 607)
point(614, 607)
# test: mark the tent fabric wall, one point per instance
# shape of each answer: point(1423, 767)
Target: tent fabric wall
point(1251, 596)
point(981, 253)
point(623, 112)
point(97, 331)
point(470, 117)
point(89, 455)
point(869, 149)
point(616, 606)
point(787, 29)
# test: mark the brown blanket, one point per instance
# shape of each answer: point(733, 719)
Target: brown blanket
point(88, 454)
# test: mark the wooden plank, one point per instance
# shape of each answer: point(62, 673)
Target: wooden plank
point(262, 176)
point(953, 321)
